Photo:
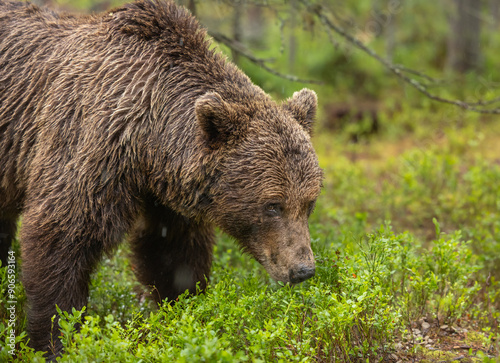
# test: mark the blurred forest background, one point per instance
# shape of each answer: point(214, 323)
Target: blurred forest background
point(407, 230)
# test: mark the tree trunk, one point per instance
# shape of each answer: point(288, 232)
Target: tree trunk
point(390, 34)
point(191, 5)
point(495, 14)
point(464, 52)
point(237, 27)
point(292, 41)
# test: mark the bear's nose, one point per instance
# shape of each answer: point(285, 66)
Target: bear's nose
point(301, 273)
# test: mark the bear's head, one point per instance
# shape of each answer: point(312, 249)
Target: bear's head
point(269, 180)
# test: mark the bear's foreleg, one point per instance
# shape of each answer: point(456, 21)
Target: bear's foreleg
point(56, 266)
point(171, 252)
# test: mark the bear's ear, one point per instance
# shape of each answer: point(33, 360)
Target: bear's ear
point(303, 105)
point(217, 118)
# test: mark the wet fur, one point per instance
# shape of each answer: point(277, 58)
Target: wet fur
point(127, 122)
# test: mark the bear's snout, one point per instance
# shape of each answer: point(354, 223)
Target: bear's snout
point(301, 273)
point(288, 265)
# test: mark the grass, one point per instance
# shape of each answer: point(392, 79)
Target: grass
point(437, 259)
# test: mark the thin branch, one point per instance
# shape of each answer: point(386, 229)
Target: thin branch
point(240, 48)
point(419, 74)
point(485, 103)
point(318, 10)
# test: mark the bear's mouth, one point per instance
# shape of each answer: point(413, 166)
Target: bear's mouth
point(301, 273)
point(289, 275)
point(287, 264)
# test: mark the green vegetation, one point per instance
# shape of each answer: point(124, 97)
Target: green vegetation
point(406, 232)
point(373, 284)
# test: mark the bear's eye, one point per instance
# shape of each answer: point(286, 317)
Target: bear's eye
point(273, 209)
point(310, 207)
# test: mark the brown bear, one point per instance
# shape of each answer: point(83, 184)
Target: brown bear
point(127, 124)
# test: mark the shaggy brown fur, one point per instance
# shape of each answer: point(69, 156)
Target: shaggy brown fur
point(127, 122)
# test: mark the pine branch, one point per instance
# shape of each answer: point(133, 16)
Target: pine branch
point(241, 49)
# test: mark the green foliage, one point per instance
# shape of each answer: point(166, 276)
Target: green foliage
point(120, 300)
point(349, 311)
